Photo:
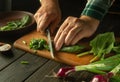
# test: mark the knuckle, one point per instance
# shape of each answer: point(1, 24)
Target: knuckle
point(46, 14)
point(69, 17)
point(76, 19)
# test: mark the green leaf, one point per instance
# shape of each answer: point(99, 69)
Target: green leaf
point(101, 66)
point(116, 49)
point(103, 43)
point(72, 49)
point(115, 79)
point(116, 70)
point(24, 21)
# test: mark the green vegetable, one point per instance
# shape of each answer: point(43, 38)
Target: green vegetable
point(115, 79)
point(24, 62)
point(38, 44)
point(116, 49)
point(102, 44)
point(24, 21)
point(99, 67)
point(113, 75)
point(102, 66)
point(72, 49)
point(12, 25)
point(116, 70)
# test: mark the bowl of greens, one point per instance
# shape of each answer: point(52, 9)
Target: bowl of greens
point(16, 23)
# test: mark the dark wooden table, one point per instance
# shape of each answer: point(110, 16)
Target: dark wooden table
point(11, 69)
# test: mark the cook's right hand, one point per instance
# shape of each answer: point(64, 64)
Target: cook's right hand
point(48, 14)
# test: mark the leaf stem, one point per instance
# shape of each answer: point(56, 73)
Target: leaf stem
point(84, 53)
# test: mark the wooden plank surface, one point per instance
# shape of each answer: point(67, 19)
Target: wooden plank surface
point(17, 72)
point(6, 60)
point(47, 69)
point(43, 73)
point(67, 58)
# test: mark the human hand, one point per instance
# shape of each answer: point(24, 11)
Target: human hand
point(74, 29)
point(48, 14)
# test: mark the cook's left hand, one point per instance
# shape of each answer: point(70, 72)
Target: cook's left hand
point(74, 29)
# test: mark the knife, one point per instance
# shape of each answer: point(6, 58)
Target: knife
point(50, 44)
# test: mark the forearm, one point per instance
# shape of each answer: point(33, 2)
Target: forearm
point(97, 8)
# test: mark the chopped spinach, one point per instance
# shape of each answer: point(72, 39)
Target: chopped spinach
point(38, 44)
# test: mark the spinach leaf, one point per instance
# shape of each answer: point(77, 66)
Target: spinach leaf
point(102, 44)
point(72, 49)
point(16, 24)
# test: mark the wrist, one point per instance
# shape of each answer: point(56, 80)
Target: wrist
point(84, 17)
point(90, 20)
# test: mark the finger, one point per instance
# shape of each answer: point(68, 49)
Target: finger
point(43, 24)
point(71, 34)
point(36, 16)
point(38, 19)
point(38, 22)
point(62, 27)
point(60, 41)
point(78, 37)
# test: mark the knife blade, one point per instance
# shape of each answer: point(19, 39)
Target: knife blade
point(50, 44)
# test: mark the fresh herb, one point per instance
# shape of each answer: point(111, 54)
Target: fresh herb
point(38, 44)
point(102, 44)
point(13, 25)
point(72, 49)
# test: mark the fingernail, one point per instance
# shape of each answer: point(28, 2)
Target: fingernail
point(57, 48)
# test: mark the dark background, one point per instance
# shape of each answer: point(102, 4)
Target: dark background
point(68, 7)
point(71, 8)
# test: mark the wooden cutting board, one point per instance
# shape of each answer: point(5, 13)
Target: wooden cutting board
point(67, 58)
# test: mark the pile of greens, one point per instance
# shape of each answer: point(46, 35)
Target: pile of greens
point(38, 44)
point(13, 25)
point(101, 45)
